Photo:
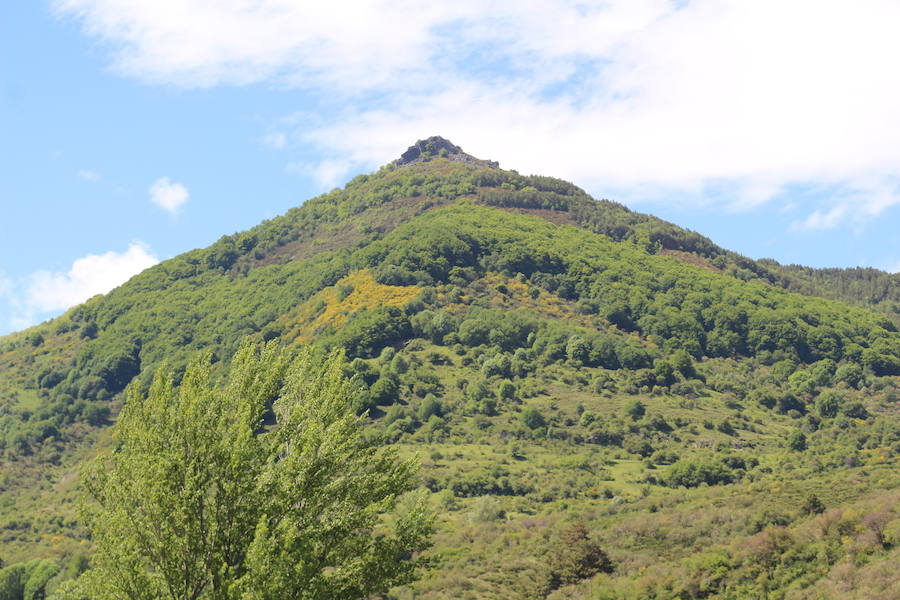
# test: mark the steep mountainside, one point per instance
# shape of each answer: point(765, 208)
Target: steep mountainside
point(552, 358)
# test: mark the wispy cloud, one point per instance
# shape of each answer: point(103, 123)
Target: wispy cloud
point(822, 220)
point(17, 316)
point(89, 175)
point(327, 173)
point(45, 293)
point(168, 195)
point(645, 97)
point(5, 285)
point(854, 207)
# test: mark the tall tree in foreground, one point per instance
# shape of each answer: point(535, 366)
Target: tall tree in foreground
point(201, 500)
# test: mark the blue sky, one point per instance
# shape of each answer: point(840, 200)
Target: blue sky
point(132, 131)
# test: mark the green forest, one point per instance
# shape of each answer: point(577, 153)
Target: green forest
point(488, 385)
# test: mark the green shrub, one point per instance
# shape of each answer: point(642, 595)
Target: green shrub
point(532, 418)
point(635, 409)
point(693, 472)
point(797, 441)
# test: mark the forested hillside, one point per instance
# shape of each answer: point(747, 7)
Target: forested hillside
point(867, 287)
point(605, 405)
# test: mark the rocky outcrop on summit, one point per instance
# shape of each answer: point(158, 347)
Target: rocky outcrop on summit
point(436, 146)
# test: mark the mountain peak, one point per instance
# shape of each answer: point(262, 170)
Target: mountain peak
point(437, 146)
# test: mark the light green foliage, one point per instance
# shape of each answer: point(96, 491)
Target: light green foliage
point(12, 582)
point(201, 500)
point(71, 590)
point(27, 581)
point(38, 576)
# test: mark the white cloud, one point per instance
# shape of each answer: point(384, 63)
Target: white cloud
point(167, 195)
point(44, 294)
point(822, 220)
point(195, 43)
point(855, 206)
point(198, 43)
point(88, 276)
point(89, 175)
point(641, 97)
point(327, 173)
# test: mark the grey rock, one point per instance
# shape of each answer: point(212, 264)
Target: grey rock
point(435, 147)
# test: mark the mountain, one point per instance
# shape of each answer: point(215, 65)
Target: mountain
point(721, 427)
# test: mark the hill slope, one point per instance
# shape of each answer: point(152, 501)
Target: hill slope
point(553, 358)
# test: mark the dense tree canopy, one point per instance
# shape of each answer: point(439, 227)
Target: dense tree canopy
point(264, 489)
